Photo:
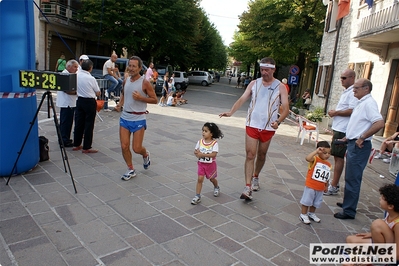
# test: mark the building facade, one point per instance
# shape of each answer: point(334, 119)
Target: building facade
point(367, 41)
point(58, 30)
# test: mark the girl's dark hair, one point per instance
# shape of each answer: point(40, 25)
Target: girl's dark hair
point(214, 129)
point(390, 193)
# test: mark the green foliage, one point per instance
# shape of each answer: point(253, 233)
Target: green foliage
point(175, 32)
point(288, 31)
point(315, 115)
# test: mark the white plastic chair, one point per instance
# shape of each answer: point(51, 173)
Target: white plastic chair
point(307, 127)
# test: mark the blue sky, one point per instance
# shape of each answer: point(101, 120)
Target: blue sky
point(224, 14)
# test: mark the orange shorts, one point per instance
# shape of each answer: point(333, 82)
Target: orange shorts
point(260, 134)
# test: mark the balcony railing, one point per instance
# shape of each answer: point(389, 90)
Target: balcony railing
point(53, 9)
point(380, 20)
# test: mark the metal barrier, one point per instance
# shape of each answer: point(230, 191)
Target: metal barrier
point(103, 85)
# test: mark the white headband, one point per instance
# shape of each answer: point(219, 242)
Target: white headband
point(267, 65)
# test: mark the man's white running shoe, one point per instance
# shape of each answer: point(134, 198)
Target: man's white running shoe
point(146, 161)
point(246, 194)
point(255, 184)
point(129, 174)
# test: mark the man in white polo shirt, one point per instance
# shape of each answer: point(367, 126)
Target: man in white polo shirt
point(109, 73)
point(340, 117)
point(364, 122)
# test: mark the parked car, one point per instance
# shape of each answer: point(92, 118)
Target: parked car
point(181, 80)
point(98, 64)
point(213, 74)
point(200, 77)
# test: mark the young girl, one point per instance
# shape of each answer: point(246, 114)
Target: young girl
point(206, 151)
point(383, 230)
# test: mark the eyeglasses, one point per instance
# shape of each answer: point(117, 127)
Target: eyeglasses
point(343, 78)
point(355, 88)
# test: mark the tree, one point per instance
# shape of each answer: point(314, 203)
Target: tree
point(164, 31)
point(288, 31)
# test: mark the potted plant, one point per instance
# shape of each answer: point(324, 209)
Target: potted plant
point(317, 115)
point(300, 107)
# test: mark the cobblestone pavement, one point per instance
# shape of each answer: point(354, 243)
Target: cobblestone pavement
point(149, 220)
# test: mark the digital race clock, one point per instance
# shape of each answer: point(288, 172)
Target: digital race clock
point(47, 80)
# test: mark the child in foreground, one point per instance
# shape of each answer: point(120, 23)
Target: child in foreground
point(316, 182)
point(206, 150)
point(383, 230)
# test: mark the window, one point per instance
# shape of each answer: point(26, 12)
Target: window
point(323, 81)
point(362, 69)
point(332, 12)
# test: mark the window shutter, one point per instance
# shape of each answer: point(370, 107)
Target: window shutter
point(328, 18)
point(367, 69)
point(327, 82)
point(318, 80)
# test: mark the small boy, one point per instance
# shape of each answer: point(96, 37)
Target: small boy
point(316, 182)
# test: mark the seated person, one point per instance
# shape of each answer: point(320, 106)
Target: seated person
point(179, 97)
point(383, 230)
point(387, 146)
point(171, 100)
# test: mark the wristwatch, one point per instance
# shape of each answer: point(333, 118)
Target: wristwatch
point(361, 137)
point(278, 122)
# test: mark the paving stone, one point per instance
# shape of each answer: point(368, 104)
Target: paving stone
point(132, 208)
point(139, 241)
point(11, 210)
point(7, 196)
point(173, 212)
point(113, 220)
point(125, 230)
point(88, 199)
point(250, 258)
point(189, 222)
point(278, 237)
point(19, 229)
point(228, 244)
point(211, 218)
point(30, 197)
point(184, 249)
point(157, 255)
point(109, 192)
point(38, 207)
point(174, 263)
point(102, 210)
point(276, 223)
point(79, 256)
point(93, 180)
point(264, 247)
point(236, 231)
point(161, 228)
point(290, 258)
point(74, 213)
point(36, 251)
point(125, 257)
point(208, 233)
point(46, 217)
point(59, 198)
point(98, 237)
point(160, 205)
point(39, 178)
point(61, 236)
point(49, 188)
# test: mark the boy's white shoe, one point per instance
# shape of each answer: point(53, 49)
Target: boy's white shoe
point(304, 218)
point(314, 217)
